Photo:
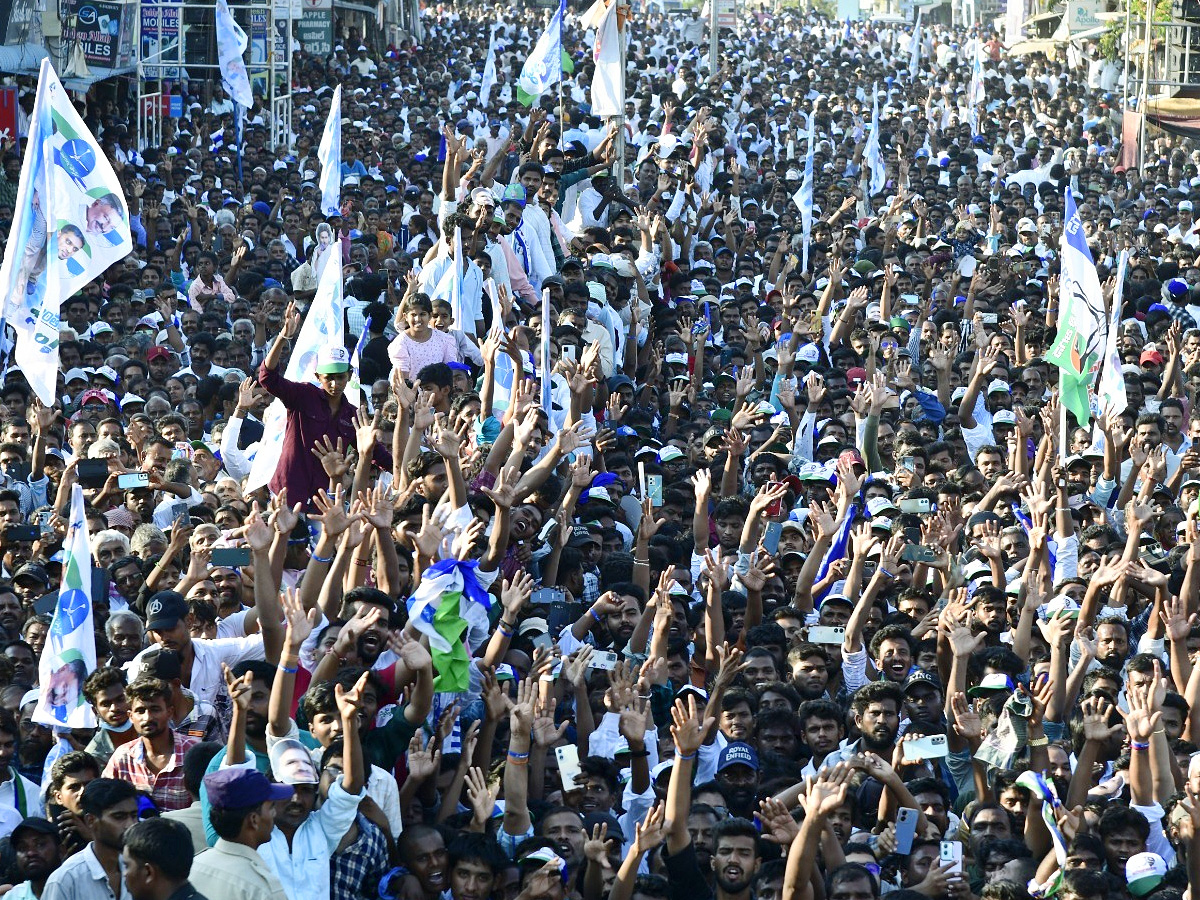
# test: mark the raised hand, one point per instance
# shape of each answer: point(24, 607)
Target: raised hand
point(689, 727)
point(777, 823)
point(332, 457)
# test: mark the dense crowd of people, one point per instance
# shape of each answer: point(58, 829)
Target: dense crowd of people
point(788, 585)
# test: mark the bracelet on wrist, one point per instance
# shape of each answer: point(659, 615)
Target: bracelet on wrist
point(686, 755)
point(321, 559)
point(1134, 745)
point(596, 616)
point(290, 670)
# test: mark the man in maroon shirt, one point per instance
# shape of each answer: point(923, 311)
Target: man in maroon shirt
point(314, 413)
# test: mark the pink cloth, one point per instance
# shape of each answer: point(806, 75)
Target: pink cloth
point(410, 356)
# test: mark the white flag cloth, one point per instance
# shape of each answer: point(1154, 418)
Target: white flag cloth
point(976, 94)
point(872, 154)
point(329, 152)
point(914, 56)
point(231, 45)
point(1111, 390)
point(70, 223)
point(805, 193)
point(608, 82)
point(543, 68)
point(489, 72)
point(323, 327)
point(70, 653)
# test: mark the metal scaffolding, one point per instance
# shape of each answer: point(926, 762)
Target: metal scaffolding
point(178, 47)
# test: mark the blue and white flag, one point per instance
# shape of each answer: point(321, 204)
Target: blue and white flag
point(873, 156)
point(451, 609)
point(323, 327)
point(70, 653)
point(543, 68)
point(1082, 320)
point(838, 547)
point(329, 152)
point(805, 194)
point(975, 94)
point(70, 223)
point(354, 386)
point(231, 47)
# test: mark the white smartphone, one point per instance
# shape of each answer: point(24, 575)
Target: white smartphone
point(932, 746)
point(952, 852)
point(568, 765)
point(827, 634)
point(603, 659)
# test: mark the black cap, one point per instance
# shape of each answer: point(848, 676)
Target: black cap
point(159, 662)
point(36, 826)
point(165, 610)
point(922, 677)
point(33, 570)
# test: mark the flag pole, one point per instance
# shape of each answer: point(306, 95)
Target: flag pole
point(619, 150)
point(562, 76)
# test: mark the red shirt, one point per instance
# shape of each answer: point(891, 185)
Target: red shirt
point(308, 420)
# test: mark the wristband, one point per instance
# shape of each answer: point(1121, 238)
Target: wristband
point(1134, 745)
point(886, 574)
point(289, 670)
point(686, 755)
point(639, 754)
point(322, 559)
point(595, 616)
point(1039, 742)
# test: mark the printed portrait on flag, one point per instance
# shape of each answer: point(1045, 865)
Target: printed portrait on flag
point(82, 227)
point(70, 223)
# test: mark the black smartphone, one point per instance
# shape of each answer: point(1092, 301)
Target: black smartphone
point(16, 534)
point(92, 473)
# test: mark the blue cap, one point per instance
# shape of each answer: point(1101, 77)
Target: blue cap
point(242, 788)
point(459, 367)
point(737, 754)
point(1177, 286)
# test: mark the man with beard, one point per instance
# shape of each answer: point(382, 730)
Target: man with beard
point(737, 773)
point(1112, 642)
point(821, 731)
point(38, 850)
point(610, 620)
point(202, 659)
point(810, 671)
point(154, 762)
point(110, 807)
point(876, 709)
point(991, 611)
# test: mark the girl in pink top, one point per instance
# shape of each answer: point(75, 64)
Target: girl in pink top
point(420, 345)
